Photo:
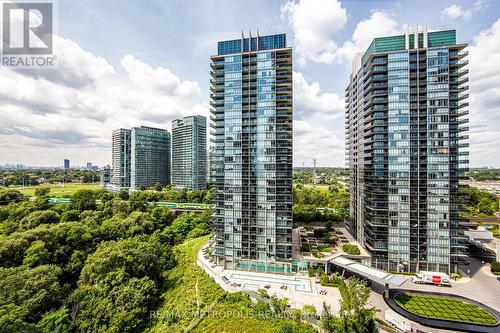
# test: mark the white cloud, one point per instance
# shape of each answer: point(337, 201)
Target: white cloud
point(310, 100)
point(317, 116)
point(316, 141)
point(159, 80)
point(79, 103)
point(380, 23)
point(484, 59)
point(457, 11)
point(316, 23)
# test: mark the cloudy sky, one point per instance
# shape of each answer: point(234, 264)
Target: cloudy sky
point(128, 63)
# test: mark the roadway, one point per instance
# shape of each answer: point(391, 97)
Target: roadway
point(482, 287)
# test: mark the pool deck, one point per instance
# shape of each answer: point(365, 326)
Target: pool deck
point(297, 296)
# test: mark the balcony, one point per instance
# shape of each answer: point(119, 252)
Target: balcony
point(458, 81)
point(458, 73)
point(458, 63)
point(458, 105)
point(217, 103)
point(217, 64)
point(217, 73)
point(217, 110)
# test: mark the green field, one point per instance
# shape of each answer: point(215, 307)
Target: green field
point(435, 307)
point(57, 190)
point(189, 289)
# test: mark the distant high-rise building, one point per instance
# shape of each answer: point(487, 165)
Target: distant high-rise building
point(251, 166)
point(105, 176)
point(189, 153)
point(404, 129)
point(66, 164)
point(120, 176)
point(150, 156)
point(89, 166)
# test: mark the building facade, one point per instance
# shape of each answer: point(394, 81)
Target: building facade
point(405, 145)
point(121, 154)
point(251, 164)
point(189, 153)
point(150, 156)
point(105, 177)
point(66, 164)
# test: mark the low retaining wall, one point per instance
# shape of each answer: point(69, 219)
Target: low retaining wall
point(390, 294)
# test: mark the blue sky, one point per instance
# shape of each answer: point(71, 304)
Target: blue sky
point(126, 63)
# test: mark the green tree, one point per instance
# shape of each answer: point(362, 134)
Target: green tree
point(34, 290)
point(39, 217)
point(119, 285)
point(70, 215)
point(84, 200)
point(158, 187)
point(309, 310)
point(57, 321)
point(36, 254)
point(124, 195)
point(9, 196)
point(328, 320)
point(355, 316)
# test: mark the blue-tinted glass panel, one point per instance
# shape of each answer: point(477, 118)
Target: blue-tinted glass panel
point(255, 44)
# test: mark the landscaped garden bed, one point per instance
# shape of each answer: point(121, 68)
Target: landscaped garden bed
point(318, 242)
point(445, 308)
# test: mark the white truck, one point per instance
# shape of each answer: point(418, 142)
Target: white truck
point(397, 320)
point(436, 278)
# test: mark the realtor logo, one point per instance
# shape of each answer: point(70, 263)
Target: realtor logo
point(27, 28)
point(27, 34)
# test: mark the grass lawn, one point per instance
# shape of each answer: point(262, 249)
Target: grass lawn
point(189, 289)
point(58, 190)
point(445, 308)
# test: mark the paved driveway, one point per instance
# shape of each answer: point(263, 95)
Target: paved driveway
point(482, 287)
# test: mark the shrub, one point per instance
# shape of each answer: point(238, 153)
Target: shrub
point(305, 247)
point(319, 255)
point(495, 267)
point(351, 249)
point(319, 233)
point(325, 249)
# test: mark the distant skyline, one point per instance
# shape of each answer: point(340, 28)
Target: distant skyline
point(125, 64)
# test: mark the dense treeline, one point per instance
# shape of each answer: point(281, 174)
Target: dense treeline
point(324, 176)
point(476, 202)
point(95, 265)
point(306, 202)
point(485, 174)
point(37, 177)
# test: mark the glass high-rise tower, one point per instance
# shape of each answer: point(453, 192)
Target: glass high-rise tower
point(150, 156)
point(404, 136)
point(251, 164)
point(120, 176)
point(189, 153)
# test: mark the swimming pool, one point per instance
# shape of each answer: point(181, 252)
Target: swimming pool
point(300, 284)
